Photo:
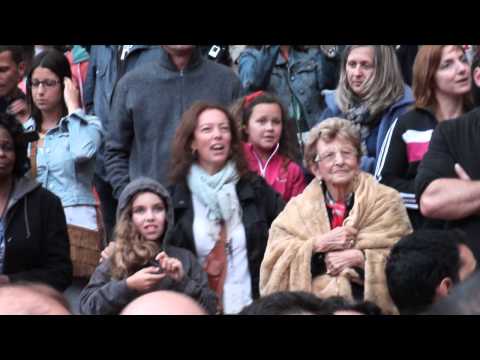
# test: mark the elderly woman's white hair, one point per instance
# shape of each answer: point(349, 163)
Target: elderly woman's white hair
point(328, 130)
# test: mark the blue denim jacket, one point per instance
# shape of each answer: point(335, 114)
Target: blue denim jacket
point(66, 163)
point(306, 74)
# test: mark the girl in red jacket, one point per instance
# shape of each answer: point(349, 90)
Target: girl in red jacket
point(267, 143)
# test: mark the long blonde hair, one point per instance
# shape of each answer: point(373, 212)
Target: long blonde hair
point(132, 251)
point(384, 88)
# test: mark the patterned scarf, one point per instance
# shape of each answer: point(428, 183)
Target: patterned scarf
point(360, 116)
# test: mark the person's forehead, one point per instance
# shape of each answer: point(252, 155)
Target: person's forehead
point(6, 58)
point(337, 142)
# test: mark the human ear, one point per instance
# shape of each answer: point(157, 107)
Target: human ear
point(476, 76)
point(21, 68)
point(444, 288)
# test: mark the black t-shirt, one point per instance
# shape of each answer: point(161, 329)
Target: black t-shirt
point(3, 105)
point(454, 141)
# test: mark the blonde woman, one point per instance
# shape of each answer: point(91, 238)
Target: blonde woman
point(370, 93)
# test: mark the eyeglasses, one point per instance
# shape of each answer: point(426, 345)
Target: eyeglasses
point(330, 156)
point(46, 83)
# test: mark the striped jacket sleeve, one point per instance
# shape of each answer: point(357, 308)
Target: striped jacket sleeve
point(392, 164)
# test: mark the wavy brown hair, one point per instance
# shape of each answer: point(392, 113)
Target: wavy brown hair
point(425, 67)
point(242, 111)
point(132, 251)
point(182, 156)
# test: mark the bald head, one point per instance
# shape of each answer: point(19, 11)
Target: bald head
point(31, 300)
point(163, 303)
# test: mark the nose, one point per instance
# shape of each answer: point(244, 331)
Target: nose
point(463, 67)
point(41, 88)
point(217, 133)
point(269, 125)
point(149, 215)
point(357, 71)
point(339, 159)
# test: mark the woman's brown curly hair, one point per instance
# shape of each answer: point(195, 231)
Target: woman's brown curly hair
point(182, 156)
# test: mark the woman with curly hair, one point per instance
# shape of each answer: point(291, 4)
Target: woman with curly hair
point(142, 259)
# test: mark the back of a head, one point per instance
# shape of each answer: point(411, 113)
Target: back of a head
point(476, 78)
point(416, 266)
point(163, 303)
point(32, 299)
point(464, 300)
point(287, 303)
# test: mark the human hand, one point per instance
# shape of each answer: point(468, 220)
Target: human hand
point(340, 238)
point(19, 109)
point(171, 266)
point(144, 279)
point(337, 261)
point(108, 251)
point(71, 95)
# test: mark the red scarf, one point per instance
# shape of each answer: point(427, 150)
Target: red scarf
point(339, 210)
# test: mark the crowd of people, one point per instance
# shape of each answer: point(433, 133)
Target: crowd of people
point(250, 180)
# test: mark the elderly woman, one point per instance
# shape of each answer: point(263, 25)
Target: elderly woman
point(370, 93)
point(333, 239)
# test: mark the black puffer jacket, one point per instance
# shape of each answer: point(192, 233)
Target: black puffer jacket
point(260, 206)
point(37, 247)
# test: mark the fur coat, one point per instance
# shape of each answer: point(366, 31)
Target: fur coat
point(379, 216)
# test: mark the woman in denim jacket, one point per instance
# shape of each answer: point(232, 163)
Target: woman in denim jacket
point(296, 74)
point(63, 160)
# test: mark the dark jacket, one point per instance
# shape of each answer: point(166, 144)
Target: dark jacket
point(260, 206)
point(106, 296)
point(405, 146)
point(102, 77)
point(37, 247)
point(147, 107)
point(454, 141)
point(378, 133)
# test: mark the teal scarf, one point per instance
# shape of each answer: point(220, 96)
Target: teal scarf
point(216, 192)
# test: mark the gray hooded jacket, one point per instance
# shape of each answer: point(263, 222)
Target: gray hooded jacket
point(106, 296)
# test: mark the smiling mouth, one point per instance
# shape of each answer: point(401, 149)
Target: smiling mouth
point(217, 148)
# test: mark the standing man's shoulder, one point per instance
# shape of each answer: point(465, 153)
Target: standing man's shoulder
point(218, 69)
point(458, 131)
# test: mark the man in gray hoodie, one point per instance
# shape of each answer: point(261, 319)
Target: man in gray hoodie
point(148, 104)
point(108, 64)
